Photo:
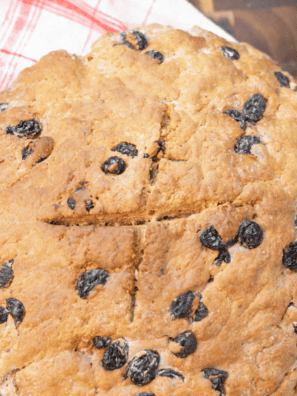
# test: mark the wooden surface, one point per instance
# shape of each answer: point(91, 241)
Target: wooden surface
point(272, 30)
point(220, 5)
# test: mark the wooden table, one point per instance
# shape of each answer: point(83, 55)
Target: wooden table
point(269, 25)
point(223, 5)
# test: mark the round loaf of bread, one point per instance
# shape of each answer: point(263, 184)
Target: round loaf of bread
point(147, 221)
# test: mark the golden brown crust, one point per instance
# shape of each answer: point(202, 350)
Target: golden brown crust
point(62, 216)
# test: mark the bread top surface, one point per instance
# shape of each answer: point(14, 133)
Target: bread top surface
point(126, 162)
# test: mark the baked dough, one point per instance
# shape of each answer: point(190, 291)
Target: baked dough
point(147, 221)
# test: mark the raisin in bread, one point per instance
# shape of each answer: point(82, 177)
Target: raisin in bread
point(147, 228)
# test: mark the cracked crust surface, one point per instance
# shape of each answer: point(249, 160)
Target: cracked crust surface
point(143, 225)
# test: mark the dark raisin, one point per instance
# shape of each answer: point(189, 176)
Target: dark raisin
point(101, 342)
point(223, 255)
point(127, 149)
point(89, 205)
point(188, 343)
point(217, 378)
point(230, 53)
point(6, 274)
point(145, 155)
point(140, 37)
point(156, 55)
point(244, 144)
point(71, 203)
point(3, 106)
point(290, 256)
point(282, 79)
point(254, 108)
point(250, 234)
point(116, 164)
point(88, 280)
point(182, 305)
point(25, 129)
point(143, 367)
point(211, 239)
point(3, 315)
point(202, 310)
point(237, 116)
point(170, 374)
point(16, 309)
point(116, 355)
point(145, 394)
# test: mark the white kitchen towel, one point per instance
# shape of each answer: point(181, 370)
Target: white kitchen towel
point(30, 29)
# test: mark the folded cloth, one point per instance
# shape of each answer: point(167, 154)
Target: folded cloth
point(30, 29)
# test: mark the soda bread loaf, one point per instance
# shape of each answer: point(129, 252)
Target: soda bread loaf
point(147, 221)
